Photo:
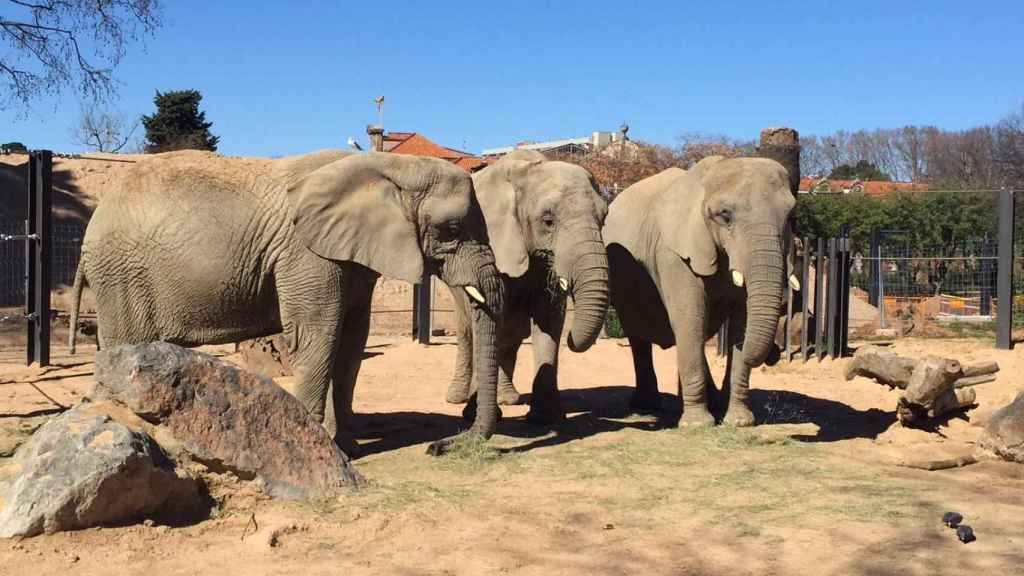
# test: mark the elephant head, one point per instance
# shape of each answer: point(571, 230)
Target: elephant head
point(736, 229)
point(547, 216)
point(402, 216)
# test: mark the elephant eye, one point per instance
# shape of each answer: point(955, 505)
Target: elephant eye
point(724, 217)
point(548, 220)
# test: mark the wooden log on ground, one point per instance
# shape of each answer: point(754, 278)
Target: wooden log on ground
point(974, 380)
point(881, 365)
point(981, 368)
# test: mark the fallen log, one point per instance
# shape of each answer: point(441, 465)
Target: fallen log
point(932, 386)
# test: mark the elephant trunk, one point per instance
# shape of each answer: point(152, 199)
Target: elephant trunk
point(473, 266)
point(589, 276)
point(764, 294)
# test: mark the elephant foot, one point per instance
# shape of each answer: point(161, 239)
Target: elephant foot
point(508, 395)
point(347, 442)
point(546, 415)
point(458, 392)
point(645, 402)
point(696, 415)
point(469, 412)
point(739, 415)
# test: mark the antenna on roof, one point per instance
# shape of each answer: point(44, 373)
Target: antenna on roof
point(379, 101)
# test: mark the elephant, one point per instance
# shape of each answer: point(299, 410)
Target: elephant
point(688, 251)
point(193, 248)
point(544, 221)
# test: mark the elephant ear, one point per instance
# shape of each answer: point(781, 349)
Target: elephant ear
point(683, 225)
point(357, 210)
point(496, 188)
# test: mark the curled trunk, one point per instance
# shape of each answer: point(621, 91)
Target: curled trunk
point(764, 294)
point(589, 277)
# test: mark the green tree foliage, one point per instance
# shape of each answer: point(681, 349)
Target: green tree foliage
point(931, 219)
point(12, 147)
point(178, 124)
point(862, 170)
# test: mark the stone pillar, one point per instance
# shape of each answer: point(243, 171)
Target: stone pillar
point(376, 134)
point(783, 146)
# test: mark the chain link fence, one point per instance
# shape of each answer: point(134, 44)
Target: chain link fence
point(65, 248)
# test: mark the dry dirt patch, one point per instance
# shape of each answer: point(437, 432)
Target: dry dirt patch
point(813, 490)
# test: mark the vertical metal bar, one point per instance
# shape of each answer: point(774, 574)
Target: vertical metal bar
point(805, 291)
point(830, 294)
point(874, 270)
point(30, 264)
point(985, 303)
point(819, 299)
point(788, 323)
point(44, 196)
point(844, 294)
point(415, 310)
point(881, 289)
point(1004, 309)
point(423, 320)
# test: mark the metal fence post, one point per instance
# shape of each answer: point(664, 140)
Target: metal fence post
point(37, 257)
point(423, 291)
point(819, 299)
point(875, 270)
point(805, 273)
point(1004, 324)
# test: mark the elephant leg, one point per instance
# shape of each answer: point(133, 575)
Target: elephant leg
point(507, 393)
point(459, 389)
point(311, 316)
point(646, 398)
point(737, 382)
point(686, 303)
point(351, 344)
point(545, 405)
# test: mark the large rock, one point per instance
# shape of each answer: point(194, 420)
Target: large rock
point(84, 468)
point(1004, 433)
point(226, 418)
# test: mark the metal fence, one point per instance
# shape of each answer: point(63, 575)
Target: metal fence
point(923, 288)
point(66, 245)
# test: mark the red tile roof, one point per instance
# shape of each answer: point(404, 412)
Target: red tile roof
point(870, 187)
point(419, 145)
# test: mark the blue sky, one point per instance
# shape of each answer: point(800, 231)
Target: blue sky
point(286, 78)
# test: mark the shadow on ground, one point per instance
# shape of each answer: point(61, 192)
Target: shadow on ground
point(593, 411)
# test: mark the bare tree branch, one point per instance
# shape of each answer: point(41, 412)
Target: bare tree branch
point(56, 45)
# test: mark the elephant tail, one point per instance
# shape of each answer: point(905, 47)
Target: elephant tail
point(76, 301)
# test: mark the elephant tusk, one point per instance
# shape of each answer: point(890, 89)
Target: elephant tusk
point(737, 278)
point(563, 284)
point(794, 282)
point(474, 293)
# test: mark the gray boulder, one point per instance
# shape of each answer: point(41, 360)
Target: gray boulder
point(1004, 433)
point(84, 468)
point(226, 418)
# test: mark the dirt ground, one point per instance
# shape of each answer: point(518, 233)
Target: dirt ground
point(812, 490)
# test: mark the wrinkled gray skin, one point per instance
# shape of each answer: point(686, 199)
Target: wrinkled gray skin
point(196, 249)
point(675, 241)
point(544, 222)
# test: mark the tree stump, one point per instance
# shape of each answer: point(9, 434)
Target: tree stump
point(932, 386)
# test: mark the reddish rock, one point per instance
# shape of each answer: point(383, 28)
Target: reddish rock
point(226, 418)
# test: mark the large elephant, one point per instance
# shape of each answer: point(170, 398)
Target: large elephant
point(544, 222)
point(688, 251)
point(193, 248)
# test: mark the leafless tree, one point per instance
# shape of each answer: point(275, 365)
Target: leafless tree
point(103, 131)
point(56, 45)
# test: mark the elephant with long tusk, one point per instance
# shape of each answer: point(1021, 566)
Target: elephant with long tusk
point(544, 224)
point(689, 250)
point(193, 248)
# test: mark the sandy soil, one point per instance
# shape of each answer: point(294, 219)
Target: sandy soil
point(813, 489)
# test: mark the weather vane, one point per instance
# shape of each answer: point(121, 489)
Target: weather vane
point(379, 101)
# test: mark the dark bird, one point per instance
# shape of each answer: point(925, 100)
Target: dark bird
point(952, 519)
point(965, 534)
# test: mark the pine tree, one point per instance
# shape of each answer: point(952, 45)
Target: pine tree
point(178, 124)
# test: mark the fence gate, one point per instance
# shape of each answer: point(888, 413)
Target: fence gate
point(36, 238)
